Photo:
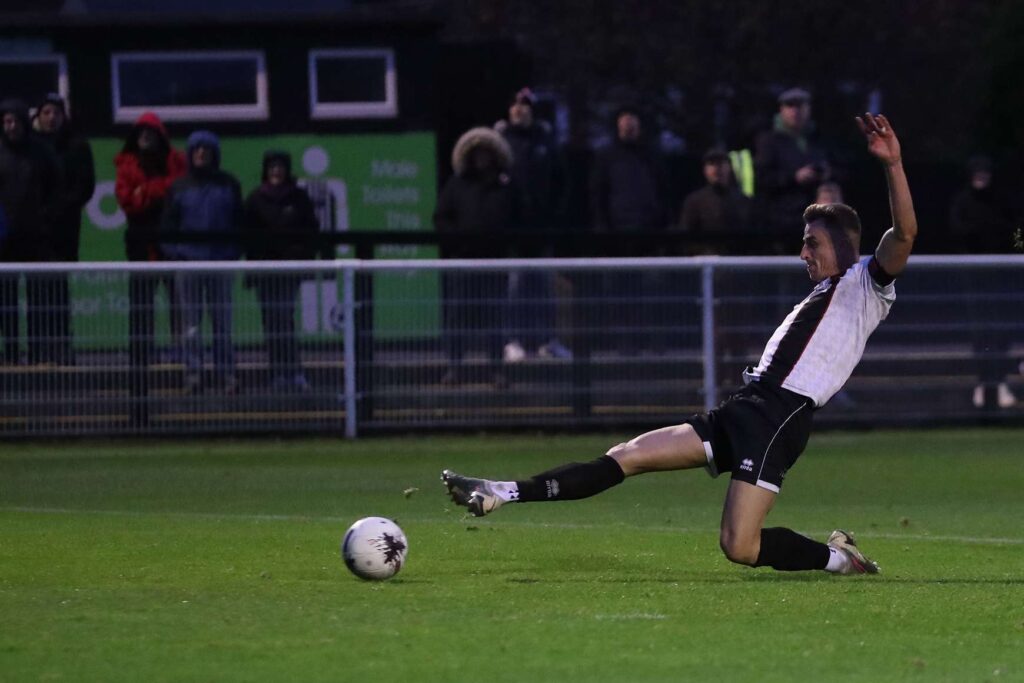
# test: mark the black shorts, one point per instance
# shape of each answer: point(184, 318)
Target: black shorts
point(757, 434)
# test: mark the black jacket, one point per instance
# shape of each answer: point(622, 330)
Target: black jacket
point(472, 202)
point(776, 160)
point(627, 189)
point(538, 169)
point(980, 222)
point(715, 210)
point(77, 183)
point(478, 205)
point(29, 181)
point(279, 224)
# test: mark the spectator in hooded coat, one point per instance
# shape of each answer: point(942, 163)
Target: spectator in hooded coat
point(29, 182)
point(77, 183)
point(628, 191)
point(206, 202)
point(146, 166)
point(280, 223)
point(481, 197)
point(981, 221)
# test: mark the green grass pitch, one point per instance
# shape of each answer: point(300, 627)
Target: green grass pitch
point(218, 561)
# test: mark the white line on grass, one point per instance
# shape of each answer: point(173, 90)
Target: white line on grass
point(540, 525)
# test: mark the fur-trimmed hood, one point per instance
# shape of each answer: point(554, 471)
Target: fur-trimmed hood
point(481, 137)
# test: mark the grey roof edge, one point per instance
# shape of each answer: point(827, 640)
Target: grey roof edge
point(409, 12)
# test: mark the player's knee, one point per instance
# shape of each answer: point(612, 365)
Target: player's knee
point(617, 450)
point(737, 549)
point(625, 454)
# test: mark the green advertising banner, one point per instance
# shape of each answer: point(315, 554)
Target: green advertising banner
point(364, 182)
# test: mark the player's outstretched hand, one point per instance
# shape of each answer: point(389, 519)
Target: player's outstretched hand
point(882, 141)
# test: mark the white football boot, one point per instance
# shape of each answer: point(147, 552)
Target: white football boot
point(844, 543)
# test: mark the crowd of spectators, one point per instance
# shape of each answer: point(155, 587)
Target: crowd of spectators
point(631, 197)
point(507, 178)
point(47, 175)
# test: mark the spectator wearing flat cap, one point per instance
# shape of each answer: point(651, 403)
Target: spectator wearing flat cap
point(77, 183)
point(788, 165)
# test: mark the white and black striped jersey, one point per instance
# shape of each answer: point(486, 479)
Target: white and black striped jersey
point(815, 349)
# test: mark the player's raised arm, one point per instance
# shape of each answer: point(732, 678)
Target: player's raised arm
point(897, 242)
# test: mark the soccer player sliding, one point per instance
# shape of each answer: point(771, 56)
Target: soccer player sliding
point(758, 433)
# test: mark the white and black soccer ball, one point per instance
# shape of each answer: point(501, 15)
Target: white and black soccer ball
point(374, 548)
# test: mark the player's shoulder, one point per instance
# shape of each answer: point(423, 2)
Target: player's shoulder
point(868, 275)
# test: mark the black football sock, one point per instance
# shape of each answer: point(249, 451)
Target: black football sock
point(788, 551)
point(572, 481)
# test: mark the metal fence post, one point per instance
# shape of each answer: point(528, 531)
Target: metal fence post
point(349, 339)
point(708, 334)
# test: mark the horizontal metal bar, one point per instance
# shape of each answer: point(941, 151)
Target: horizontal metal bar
point(686, 263)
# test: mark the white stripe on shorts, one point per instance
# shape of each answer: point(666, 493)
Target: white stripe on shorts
point(711, 467)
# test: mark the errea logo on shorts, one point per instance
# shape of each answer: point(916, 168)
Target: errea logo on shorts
point(747, 465)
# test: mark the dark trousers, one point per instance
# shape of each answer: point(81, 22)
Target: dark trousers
point(278, 298)
point(991, 328)
point(474, 313)
point(42, 298)
point(63, 340)
point(9, 323)
point(629, 314)
point(211, 292)
point(531, 308)
point(142, 289)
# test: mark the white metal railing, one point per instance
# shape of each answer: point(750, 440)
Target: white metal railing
point(382, 355)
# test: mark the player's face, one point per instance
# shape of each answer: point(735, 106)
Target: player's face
point(818, 252)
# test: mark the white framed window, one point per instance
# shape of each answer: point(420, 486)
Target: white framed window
point(352, 84)
point(205, 85)
point(33, 77)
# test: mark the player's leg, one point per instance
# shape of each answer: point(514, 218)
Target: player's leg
point(746, 507)
point(678, 447)
point(744, 539)
point(670, 448)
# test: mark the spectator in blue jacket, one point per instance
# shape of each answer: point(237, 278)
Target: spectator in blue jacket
point(205, 201)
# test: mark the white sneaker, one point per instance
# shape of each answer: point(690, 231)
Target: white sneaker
point(514, 352)
point(1005, 397)
point(978, 398)
point(554, 349)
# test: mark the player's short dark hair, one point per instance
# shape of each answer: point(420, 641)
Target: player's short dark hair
point(836, 217)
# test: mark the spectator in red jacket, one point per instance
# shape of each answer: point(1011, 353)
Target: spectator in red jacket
point(146, 167)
